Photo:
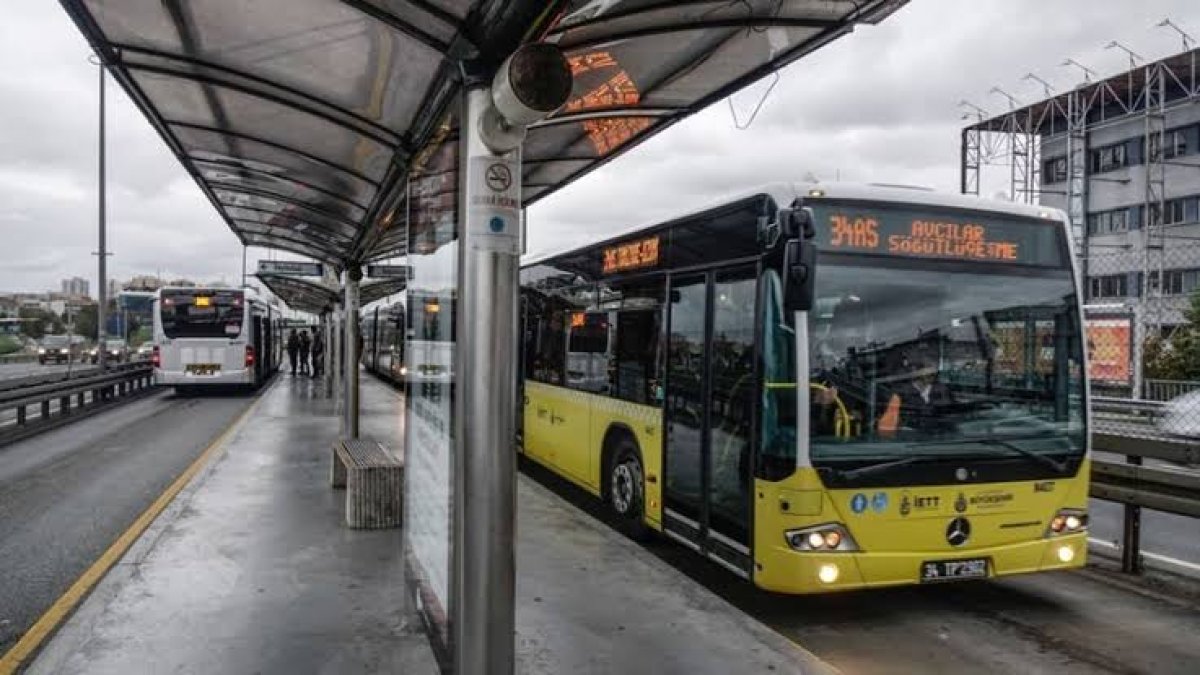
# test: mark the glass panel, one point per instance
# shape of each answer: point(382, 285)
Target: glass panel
point(203, 144)
point(919, 361)
point(212, 314)
point(731, 416)
point(686, 360)
point(639, 356)
point(188, 102)
point(328, 50)
point(588, 352)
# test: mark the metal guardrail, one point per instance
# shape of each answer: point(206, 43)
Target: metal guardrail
point(1167, 486)
point(57, 403)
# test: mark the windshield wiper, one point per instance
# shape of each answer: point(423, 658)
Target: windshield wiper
point(1008, 444)
point(869, 469)
point(1058, 467)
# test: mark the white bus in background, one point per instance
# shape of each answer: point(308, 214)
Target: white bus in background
point(205, 337)
point(429, 348)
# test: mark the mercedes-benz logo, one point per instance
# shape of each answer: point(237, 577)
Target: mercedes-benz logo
point(958, 531)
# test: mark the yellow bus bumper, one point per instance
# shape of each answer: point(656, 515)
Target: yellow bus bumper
point(783, 570)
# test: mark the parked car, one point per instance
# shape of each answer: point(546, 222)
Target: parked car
point(144, 351)
point(118, 351)
point(1181, 415)
point(60, 349)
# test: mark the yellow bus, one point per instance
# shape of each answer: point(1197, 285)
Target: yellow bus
point(823, 387)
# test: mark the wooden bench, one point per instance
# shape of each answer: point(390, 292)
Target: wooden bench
point(373, 480)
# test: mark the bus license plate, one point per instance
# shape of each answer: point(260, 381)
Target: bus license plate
point(203, 368)
point(952, 570)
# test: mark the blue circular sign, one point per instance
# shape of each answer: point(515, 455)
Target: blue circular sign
point(496, 224)
point(879, 502)
point(858, 503)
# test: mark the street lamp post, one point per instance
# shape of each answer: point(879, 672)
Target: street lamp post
point(102, 254)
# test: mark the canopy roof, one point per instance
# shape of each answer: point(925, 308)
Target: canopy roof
point(303, 121)
point(302, 295)
point(314, 297)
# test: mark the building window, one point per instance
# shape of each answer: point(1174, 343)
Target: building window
point(1108, 222)
point(1173, 282)
point(1174, 141)
point(1111, 286)
point(1055, 170)
point(1109, 158)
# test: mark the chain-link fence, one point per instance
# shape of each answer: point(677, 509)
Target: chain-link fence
point(1143, 327)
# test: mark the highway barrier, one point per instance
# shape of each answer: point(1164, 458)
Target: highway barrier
point(32, 409)
point(1171, 485)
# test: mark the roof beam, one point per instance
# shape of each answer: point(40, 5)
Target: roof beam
point(272, 144)
point(363, 125)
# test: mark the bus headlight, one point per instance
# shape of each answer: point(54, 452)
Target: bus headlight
point(828, 537)
point(1067, 521)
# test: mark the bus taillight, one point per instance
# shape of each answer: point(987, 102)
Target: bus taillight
point(156, 357)
point(249, 356)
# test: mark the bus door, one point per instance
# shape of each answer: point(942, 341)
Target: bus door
point(709, 413)
point(257, 340)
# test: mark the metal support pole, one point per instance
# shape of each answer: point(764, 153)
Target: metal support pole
point(102, 292)
point(350, 315)
point(335, 365)
point(485, 473)
point(330, 364)
point(1131, 541)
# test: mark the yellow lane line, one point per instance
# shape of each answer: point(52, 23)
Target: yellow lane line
point(67, 602)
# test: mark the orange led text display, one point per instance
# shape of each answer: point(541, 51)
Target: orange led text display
point(925, 238)
point(631, 256)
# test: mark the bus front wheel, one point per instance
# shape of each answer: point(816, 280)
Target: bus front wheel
point(626, 489)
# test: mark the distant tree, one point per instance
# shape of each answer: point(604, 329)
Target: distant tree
point(36, 329)
point(85, 322)
point(1176, 356)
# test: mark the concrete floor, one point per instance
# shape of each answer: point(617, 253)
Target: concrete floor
point(251, 571)
point(68, 493)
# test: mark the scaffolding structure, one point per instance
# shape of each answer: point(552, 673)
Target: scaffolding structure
point(1016, 140)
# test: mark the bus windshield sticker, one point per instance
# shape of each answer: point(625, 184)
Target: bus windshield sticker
point(901, 231)
point(631, 255)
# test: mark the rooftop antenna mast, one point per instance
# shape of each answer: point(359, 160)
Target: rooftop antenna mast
point(1187, 39)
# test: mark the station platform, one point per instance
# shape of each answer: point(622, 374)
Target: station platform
point(251, 570)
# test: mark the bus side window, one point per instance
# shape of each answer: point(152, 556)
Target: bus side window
point(637, 363)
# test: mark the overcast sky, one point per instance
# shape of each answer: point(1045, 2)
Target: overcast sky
point(878, 105)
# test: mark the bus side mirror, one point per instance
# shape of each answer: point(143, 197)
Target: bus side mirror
point(796, 223)
point(799, 269)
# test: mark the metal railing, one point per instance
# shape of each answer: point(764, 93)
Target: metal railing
point(29, 410)
point(1165, 390)
point(1169, 485)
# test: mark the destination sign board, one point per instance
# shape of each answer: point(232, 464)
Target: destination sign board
point(292, 268)
point(389, 271)
point(631, 255)
point(947, 235)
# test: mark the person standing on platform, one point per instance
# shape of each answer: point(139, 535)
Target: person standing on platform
point(293, 346)
point(305, 347)
point(318, 354)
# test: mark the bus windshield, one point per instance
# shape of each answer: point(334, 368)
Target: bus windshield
point(919, 360)
point(201, 314)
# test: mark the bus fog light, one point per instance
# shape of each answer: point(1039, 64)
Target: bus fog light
point(828, 573)
point(1066, 554)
